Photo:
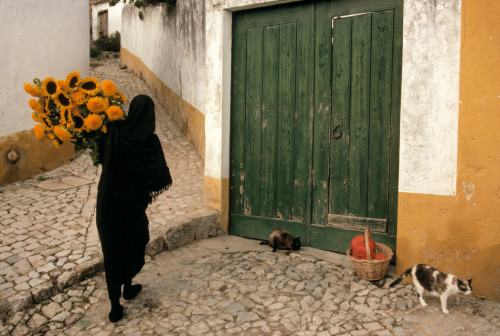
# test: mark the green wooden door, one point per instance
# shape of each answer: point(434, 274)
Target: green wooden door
point(315, 121)
point(271, 121)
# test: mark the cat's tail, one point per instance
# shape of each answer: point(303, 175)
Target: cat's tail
point(401, 277)
point(265, 242)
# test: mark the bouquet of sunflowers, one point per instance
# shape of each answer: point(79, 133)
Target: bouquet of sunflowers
point(74, 110)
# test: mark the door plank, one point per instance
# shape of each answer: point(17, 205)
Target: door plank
point(261, 227)
point(269, 122)
point(380, 114)
point(322, 115)
point(238, 94)
point(253, 122)
point(339, 239)
point(304, 116)
point(360, 105)
point(354, 222)
point(286, 118)
point(341, 105)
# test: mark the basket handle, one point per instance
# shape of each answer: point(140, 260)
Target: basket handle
point(367, 244)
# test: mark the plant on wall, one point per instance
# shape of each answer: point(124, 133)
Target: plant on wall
point(144, 3)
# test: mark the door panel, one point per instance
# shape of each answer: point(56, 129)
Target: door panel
point(361, 100)
point(315, 121)
point(271, 119)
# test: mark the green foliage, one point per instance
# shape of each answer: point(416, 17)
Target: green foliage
point(142, 3)
point(109, 43)
point(95, 52)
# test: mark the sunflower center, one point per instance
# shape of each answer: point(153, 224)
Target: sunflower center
point(78, 121)
point(89, 86)
point(51, 87)
point(73, 81)
point(63, 100)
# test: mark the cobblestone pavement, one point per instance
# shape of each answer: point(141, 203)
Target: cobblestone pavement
point(51, 280)
point(49, 239)
point(228, 285)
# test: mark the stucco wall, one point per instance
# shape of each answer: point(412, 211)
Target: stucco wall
point(167, 49)
point(114, 18)
point(38, 39)
point(171, 43)
point(459, 233)
point(429, 97)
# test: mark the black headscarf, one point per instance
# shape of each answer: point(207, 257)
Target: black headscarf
point(134, 173)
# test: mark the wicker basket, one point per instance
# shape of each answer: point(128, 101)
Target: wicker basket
point(371, 269)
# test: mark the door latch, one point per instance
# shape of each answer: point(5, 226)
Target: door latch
point(337, 132)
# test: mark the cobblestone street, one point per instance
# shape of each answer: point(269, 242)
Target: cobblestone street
point(197, 281)
point(233, 286)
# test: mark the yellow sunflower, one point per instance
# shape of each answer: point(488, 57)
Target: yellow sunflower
point(49, 86)
point(50, 105)
point(32, 90)
point(44, 120)
point(66, 116)
point(93, 122)
point(89, 85)
point(63, 85)
point(57, 143)
point(97, 104)
point(108, 87)
point(78, 97)
point(72, 79)
point(120, 95)
point(62, 134)
point(114, 113)
point(61, 99)
point(39, 132)
point(35, 105)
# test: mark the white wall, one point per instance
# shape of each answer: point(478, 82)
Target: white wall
point(171, 43)
point(38, 39)
point(114, 18)
point(429, 99)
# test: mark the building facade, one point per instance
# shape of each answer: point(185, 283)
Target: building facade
point(55, 50)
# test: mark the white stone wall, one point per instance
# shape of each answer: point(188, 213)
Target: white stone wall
point(429, 107)
point(171, 43)
point(38, 39)
point(114, 18)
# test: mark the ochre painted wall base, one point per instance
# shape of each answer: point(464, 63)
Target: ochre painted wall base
point(35, 156)
point(459, 234)
point(188, 118)
point(216, 196)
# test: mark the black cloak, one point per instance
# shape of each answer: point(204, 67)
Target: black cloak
point(134, 173)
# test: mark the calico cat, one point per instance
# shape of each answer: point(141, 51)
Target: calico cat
point(281, 239)
point(428, 279)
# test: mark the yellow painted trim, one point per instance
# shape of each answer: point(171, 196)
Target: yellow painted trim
point(188, 118)
point(216, 196)
point(36, 156)
point(459, 234)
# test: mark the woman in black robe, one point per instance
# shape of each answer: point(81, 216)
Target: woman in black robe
point(134, 173)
